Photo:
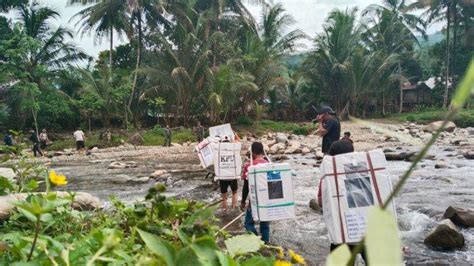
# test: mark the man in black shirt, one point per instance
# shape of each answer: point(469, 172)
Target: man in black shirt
point(36, 144)
point(329, 127)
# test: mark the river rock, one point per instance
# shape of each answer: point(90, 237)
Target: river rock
point(319, 155)
point(136, 139)
point(59, 153)
point(276, 148)
point(305, 150)
point(159, 174)
point(469, 155)
point(294, 147)
point(432, 127)
point(441, 164)
point(7, 173)
point(119, 165)
point(281, 138)
point(445, 235)
point(278, 158)
point(396, 156)
point(313, 204)
point(82, 201)
point(460, 216)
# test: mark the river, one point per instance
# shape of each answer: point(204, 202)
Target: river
point(420, 204)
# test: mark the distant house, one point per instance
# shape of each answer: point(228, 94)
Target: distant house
point(419, 93)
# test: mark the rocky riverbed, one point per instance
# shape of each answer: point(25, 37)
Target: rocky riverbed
point(444, 178)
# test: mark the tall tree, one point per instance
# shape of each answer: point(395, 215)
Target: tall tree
point(103, 19)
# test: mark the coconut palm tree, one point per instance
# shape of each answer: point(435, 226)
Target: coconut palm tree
point(6, 5)
point(329, 65)
point(103, 19)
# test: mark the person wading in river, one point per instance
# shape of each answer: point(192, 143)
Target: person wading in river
point(338, 147)
point(225, 184)
point(258, 157)
point(329, 127)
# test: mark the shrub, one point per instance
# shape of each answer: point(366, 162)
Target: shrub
point(244, 121)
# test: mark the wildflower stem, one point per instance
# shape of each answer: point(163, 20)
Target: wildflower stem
point(37, 228)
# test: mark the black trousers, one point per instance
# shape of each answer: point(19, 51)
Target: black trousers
point(36, 149)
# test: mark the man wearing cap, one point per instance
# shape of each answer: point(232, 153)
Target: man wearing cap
point(329, 127)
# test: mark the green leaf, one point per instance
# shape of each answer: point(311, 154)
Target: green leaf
point(225, 260)
point(382, 242)
point(28, 214)
point(32, 185)
point(243, 244)
point(46, 217)
point(340, 256)
point(258, 261)
point(465, 88)
point(159, 247)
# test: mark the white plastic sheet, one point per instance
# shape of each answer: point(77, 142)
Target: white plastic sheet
point(227, 161)
point(271, 192)
point(352, 183)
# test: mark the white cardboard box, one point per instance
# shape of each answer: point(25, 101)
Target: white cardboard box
point(352, 183)
point(271, 192)
point(205, 152)
point(227, 160)
point(222, 130)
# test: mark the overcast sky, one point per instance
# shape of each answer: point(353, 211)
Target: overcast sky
point(309, 16)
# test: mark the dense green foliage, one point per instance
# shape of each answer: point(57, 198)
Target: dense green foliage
point(212, 61)
point(45, 229)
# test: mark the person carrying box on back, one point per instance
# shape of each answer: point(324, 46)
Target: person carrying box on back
point(258, 157)
point(225, 184)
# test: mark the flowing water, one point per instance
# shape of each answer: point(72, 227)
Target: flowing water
point(420, 205)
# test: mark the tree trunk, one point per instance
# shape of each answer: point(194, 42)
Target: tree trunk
point(446, 88)
point(137, 66)
point(383, 103)
point(111, 49)
point(401, 88)
point(89, 122)
point(35, 115)
point(455, 38)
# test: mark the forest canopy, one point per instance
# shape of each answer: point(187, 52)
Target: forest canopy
point(213, 61)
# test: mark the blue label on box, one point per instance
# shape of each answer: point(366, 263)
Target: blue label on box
point(273, 175)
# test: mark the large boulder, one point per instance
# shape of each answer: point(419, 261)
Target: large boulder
point(469, 155)
point(445, 235)
point(432, 127)
point(396, 156)
point(122, 179)
point(7, 173)
point(305, 150)
point(294, 147)
point(277, 148)
point(441, 164)
point(313, 204)
point(119, 165)
point(136, 139)
point(460, 216)
point(160, 174)
point(82, 201)
point(281, 138)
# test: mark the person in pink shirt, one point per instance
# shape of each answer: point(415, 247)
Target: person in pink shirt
point(258, 157)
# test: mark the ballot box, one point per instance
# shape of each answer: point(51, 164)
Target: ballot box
point(271, 192)
point(227, 160)
point(205, 152)
point(351, 184)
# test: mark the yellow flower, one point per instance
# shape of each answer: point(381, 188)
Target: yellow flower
point(58, 180)
point(282, 263)
point(280, 252)
point(296, 258)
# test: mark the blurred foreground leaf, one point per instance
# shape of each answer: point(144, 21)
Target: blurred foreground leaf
point(382, 242)
point(243, 244)
point(340, 256)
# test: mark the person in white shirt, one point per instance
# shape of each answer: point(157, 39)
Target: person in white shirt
point(80, 139)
